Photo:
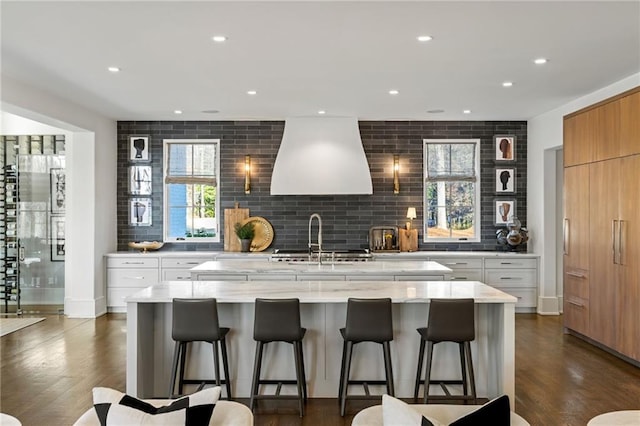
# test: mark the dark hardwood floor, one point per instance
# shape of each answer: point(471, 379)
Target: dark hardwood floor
point(49, 369)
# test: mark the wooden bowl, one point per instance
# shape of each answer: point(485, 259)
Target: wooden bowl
point(143, 246)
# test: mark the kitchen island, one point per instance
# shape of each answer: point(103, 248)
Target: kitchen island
point(323, 313)
point(249, 270)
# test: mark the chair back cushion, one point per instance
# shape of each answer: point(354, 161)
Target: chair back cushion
point(195, 320)
point(369, 320)
point(451, 320)
point(277, 320)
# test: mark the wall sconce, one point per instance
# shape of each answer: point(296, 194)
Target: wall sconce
point(411, 214)
point(247, 174)
point(396, 171)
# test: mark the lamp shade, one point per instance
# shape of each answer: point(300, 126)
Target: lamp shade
point(411, 213)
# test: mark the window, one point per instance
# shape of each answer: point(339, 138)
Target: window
point(191, 175)
point(451, 190)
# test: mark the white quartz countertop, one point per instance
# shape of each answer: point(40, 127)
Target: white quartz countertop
point(261, 267)
point(321, 291)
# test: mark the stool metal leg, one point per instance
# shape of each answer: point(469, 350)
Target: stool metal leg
point(463, 368)
point(467, 347)
point(419, 370)
point(174, 368)
point(427, 374)
point(299, 374)
point(256, 374)
point(345, 379)
point(225, 366)
point(183, 358)
point(388, 368)
point(342, 364)
point(216, 362)
point(304, 376)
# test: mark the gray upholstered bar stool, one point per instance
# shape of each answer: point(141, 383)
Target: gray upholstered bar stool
point(196, 320)
point(368, 320)
point(450, 320)
point(278, 320)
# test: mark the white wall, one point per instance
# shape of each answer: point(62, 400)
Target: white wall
point(91, 189)
point(545, 137)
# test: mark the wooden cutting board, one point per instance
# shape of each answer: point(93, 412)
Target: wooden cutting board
point(408, 240)
point(231, 217)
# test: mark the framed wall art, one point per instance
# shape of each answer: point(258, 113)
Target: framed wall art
point(57, 230)
point(140, 180)
point(139, 149)
point(506, 180)
point(140, 211)
point(505, 146)
point(504, 210)
point(57, 190)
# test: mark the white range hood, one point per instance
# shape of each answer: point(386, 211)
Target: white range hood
point(321, 156)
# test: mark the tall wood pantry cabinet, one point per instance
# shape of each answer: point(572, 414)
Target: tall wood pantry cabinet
point(601, 228)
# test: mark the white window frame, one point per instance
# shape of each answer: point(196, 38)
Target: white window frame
point(165, 219)
point(477, 220)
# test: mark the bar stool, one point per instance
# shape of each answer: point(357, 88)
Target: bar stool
point(278, 320)
point(450, 320)
point(196, 320)
point(368, 320)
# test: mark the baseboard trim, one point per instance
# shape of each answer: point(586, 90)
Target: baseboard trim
point(548, 306)
point(85, 308)
point(603, 347)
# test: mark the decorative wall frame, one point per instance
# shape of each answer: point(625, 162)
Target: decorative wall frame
point(140, 180)
point(140, 212)
point(504, 210)
point(57, 231)
point(506, 180)
point(57, 190)
point(139, 150)
point(505, 146)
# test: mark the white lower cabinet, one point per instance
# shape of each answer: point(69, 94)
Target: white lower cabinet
point(177, 268)
point(515, 276)
point(127, 275)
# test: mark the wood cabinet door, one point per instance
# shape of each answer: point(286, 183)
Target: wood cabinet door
point(630, 124)
point(578, 139)
point(605, 125)
point(604, 182)
point(575, 232)
point(628, 305)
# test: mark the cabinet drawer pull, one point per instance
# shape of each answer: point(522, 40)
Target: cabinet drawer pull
point(575, 274)
point(133, 263)
point(456, 263)
point(579, 305)
point(506, 263)
point(510, 278)
point(188, 263)
point(134, 278)
point(459, 278)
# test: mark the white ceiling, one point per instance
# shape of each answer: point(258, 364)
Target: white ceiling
point(301, 57)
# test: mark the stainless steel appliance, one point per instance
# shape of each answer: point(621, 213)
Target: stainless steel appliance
point(357, 255)
point(384, 239)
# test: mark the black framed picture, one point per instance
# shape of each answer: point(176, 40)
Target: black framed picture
point(139, 149)
point(140, 212)
point(57, 190)
point(140, 180)
point(57, 231)
point(506, 180)
point(505, 146)
point(505, 210)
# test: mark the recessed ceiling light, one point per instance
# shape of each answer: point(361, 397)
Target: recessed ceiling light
point(435, 111)
point(540, 61)
point(424, 38)
point(393, 92)
point(114, 69)
point(466, 111)
point(507, 84)
point(251, 92)
point(321, 112)
point(177, 111)
point(219, 38)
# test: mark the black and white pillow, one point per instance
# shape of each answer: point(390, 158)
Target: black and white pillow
point(116, 408)
point(496, 412)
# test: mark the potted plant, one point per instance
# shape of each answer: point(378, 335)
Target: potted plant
point(245, 234)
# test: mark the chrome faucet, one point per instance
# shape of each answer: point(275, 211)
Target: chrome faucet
point(319, 243)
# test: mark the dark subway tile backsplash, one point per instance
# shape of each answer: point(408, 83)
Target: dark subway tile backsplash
point(346, 218)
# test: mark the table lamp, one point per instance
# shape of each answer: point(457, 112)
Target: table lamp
point(411, 214)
